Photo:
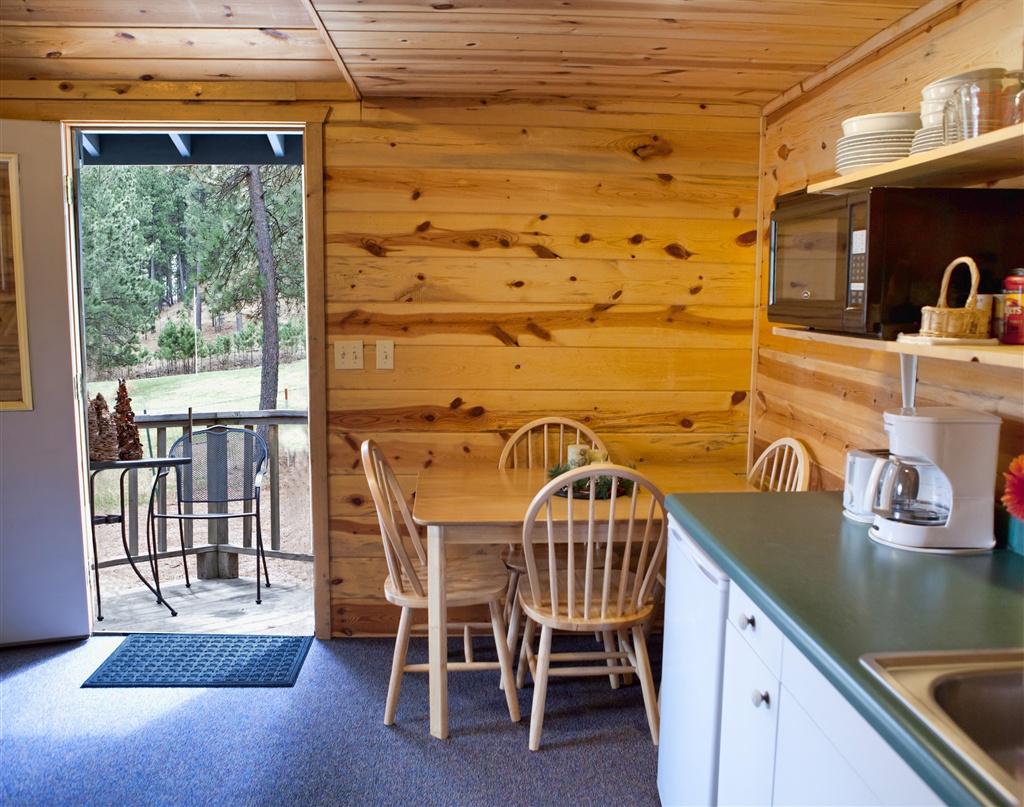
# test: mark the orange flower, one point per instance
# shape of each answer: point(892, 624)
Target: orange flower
point(1013, 497)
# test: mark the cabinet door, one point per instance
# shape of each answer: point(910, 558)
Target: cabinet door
point(750, 702)
point(808, 768)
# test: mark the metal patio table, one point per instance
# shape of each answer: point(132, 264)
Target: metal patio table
point(125, 466)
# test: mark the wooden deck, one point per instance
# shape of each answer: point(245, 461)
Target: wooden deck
point(212, 606)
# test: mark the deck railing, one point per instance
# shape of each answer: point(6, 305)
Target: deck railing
point(269, 421)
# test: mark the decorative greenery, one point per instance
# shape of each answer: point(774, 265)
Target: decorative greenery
point(581, 487)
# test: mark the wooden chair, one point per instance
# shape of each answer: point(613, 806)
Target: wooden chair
point(783, 467)
point(595, 573)
point(542, 443)
point(478, 580)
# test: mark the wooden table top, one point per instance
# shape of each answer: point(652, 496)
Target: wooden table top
point(484, 495)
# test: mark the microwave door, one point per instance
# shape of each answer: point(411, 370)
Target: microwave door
point(809, 268)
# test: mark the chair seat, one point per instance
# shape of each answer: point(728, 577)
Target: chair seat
point(476, 580)
point(595, 622)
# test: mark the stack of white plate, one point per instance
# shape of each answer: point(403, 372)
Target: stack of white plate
point(926, 139)
point(858, 151)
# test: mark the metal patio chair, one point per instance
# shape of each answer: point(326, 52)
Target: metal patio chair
point(227, 466)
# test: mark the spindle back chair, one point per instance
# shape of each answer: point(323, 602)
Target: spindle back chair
point(592, 566)
point(476, 580)
point(783, 467)
point(545, 443)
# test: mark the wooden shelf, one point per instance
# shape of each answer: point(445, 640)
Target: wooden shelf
point(995, 155)
point(991, 355)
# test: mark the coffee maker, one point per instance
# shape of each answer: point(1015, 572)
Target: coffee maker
point(935, 492)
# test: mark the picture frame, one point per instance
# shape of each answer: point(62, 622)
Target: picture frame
point(15, 379)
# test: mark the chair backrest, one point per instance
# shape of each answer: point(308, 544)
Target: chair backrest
point(226, 464)
point(392, 515)
point(599, 559)
point(544, 443)
point(783, 467)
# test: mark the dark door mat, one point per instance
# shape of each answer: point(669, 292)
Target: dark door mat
point(203, 660)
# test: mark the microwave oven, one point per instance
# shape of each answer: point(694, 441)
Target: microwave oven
point(866, 262)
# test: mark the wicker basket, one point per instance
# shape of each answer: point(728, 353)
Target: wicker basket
point(968, 322)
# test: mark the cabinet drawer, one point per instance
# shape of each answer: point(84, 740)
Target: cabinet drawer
point(750, 703)
point(759, 632)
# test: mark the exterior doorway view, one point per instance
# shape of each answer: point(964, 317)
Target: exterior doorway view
point(193, 315)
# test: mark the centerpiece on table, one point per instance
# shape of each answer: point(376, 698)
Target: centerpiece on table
point(580, 455)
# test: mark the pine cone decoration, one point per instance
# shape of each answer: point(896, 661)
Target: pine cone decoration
point(128, 443)
point(102, 433)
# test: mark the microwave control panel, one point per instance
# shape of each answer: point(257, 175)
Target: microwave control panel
point(856, 282)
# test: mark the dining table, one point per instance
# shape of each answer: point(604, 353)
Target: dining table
point(478, 504)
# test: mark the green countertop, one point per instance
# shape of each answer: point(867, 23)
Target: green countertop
point(837, 595)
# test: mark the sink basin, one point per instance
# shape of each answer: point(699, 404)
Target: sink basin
point(973, 700)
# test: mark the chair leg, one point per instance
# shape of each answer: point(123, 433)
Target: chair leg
point(609, 647)
point(514, 623)
point(398, 665)
point(527, 643)
point(259, 547)
point(505, 660)
point(643, 670)
point(510, 593)
point(263, 551)
point(540, 688)
point(467, 643)
point(184, 559)
point(627, 678)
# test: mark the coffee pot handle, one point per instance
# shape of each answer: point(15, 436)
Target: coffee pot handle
point(885, 494)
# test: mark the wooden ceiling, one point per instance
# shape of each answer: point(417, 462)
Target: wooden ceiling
point(694, 50)
point(746, 50)
point(169, 40)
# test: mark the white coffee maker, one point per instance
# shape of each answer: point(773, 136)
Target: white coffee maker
point(935, 492)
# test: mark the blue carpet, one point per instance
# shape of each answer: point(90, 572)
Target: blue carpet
point(321, 742)
point(202, 660)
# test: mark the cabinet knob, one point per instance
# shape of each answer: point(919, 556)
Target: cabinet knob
point(757, 698)
point(747, 621)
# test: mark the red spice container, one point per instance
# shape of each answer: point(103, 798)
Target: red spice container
point(1013, 308)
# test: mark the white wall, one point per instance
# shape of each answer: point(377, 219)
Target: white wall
point(43, 590)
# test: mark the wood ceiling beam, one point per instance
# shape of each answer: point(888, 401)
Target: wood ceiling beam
point(318, 23)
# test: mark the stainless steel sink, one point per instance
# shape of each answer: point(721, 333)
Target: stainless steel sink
point(973, 700)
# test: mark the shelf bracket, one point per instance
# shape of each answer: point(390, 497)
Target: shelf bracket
point(908, 379)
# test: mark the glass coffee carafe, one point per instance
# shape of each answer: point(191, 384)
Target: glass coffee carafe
point(912, 491)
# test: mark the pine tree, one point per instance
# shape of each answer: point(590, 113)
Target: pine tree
point(102, 432)
point(128, 444)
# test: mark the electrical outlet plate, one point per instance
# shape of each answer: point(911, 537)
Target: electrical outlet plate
point(348, 355)
point(385, 354)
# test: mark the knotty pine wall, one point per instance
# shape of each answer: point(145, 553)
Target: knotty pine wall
point(832, 397)
point(528, 259)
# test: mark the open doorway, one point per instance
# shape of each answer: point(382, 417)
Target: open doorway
point(192, 305)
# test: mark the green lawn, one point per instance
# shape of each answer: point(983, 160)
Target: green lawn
point(217, 391)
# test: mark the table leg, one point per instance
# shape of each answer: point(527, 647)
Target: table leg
point(128, 552)
point(437, 626)
point(95, 549)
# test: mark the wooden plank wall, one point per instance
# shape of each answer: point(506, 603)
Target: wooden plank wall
point(833, 397)
point(594, 260)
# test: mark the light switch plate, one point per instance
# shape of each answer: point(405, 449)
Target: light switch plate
point(385, 354)
point(348, 355)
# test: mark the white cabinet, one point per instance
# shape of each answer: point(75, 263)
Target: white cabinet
point(808, 768)
point(750, 697)
point(789, 737)
point(820, 759)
